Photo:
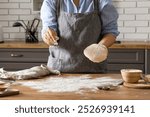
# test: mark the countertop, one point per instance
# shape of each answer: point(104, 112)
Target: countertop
point(22, 44)
point(121, 93)
point(122, 45)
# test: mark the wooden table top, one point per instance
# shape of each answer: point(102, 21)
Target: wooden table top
point(22, 44)
point(41, 44)
point(121, 93)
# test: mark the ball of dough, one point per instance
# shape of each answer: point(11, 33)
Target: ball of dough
point(96, 52)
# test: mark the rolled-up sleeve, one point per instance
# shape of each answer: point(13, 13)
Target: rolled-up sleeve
point(109, 17)
point(48, 15)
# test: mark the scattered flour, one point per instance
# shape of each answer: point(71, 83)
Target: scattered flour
point(71, 84)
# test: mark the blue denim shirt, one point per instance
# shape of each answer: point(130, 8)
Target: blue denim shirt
point(108, 13)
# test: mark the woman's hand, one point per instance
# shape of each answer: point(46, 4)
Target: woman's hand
point(50, 37)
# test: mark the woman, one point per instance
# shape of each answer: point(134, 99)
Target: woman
point(79, 24)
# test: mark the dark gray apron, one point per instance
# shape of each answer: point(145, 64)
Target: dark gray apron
point(76, 32)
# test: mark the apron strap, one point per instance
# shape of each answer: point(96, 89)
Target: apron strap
point(96, 5)
point(57, 8)
point(61, 5)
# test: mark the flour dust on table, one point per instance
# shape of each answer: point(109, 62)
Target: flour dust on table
point(73, 83)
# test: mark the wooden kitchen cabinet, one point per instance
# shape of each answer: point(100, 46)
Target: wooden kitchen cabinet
point(17, 59)
point(20, 55)
point(148, 62)
point(125, 58)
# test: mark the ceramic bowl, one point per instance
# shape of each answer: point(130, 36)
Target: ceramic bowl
point(131, 75)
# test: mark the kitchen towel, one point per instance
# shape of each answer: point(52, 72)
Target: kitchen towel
point(31, 73)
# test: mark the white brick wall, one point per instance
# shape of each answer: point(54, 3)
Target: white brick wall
point(134, 18)
point(11, 11)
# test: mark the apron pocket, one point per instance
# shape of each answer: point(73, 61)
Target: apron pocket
point(54, 63)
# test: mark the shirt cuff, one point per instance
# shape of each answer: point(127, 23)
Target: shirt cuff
point(116, 33)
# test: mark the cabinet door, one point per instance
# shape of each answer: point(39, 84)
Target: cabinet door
point(13, 66)
point(115, 68)
point(125, 58)
point(148, 62)
point(17, 59)
point(23, 55)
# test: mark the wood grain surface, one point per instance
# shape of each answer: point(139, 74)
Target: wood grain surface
point(21, 44)
point(121, 93)
point(140, 85)
point(41, 44)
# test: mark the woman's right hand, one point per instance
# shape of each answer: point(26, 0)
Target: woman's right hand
point(50, 37)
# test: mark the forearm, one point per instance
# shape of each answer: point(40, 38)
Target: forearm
point(48, 16)
point(108, 40)
point(109, 17)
